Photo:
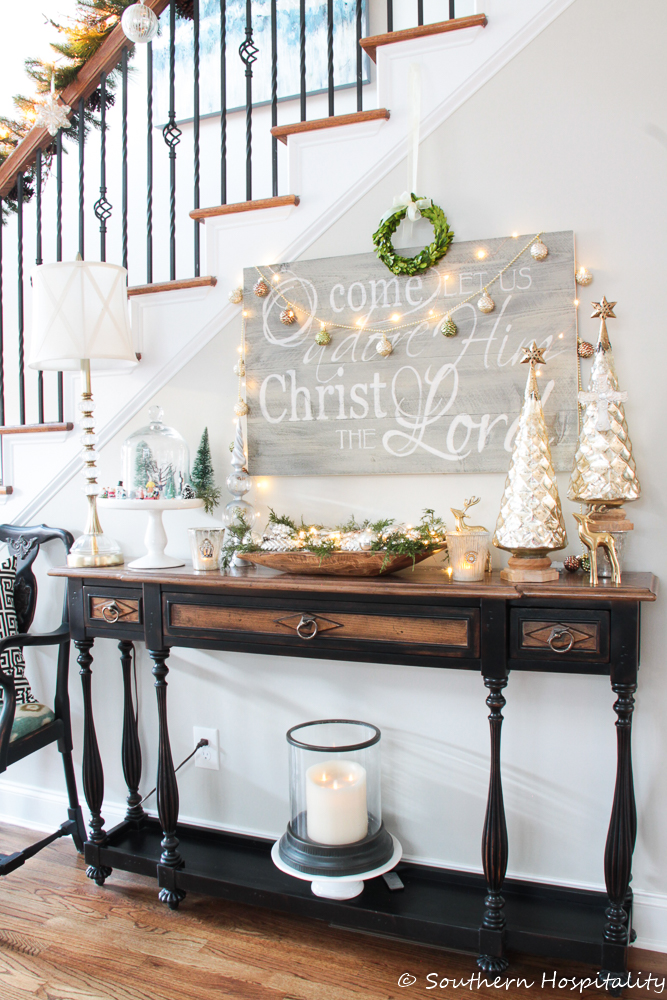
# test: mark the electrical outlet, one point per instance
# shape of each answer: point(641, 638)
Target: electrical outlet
point(206, 756)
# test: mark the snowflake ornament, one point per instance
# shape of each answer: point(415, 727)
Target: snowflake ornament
point(53, 116)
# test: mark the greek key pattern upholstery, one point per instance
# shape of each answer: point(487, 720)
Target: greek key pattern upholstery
point(11, 660)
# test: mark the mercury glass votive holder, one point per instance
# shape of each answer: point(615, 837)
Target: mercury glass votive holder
point(468, 554)
point(205, 544)
point(604, 564)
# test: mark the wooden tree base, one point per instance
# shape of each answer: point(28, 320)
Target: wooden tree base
point(529, 569)
point(611, 519)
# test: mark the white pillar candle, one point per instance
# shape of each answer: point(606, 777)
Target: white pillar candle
point(336, 809)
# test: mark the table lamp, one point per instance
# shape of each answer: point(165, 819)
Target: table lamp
point(80, 321)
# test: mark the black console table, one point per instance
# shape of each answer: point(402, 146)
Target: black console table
point(420, 619)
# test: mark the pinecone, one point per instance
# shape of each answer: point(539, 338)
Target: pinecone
point(584, 349)
point(186, 9)
point(572, 564)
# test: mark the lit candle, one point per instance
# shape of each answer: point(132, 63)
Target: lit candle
point(336, 809)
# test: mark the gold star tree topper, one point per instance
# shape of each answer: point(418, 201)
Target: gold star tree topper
point(533, 355)
point(605, 310)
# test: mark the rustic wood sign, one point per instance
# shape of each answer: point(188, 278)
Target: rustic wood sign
point(436, 404)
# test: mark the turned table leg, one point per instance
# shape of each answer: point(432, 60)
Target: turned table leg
point(167, 787)
point(131, 748)
point(620, 844)
point(93, 775)
point(494, 843)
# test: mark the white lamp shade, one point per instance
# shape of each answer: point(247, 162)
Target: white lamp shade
point(80, 312)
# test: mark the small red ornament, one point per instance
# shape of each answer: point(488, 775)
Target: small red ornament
point(572, 564)
point(584, 349)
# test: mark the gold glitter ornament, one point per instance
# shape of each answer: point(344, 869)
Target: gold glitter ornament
point(288, 316)
point(261, 288)
point(323, 337)
point(583, 276)
point(485, 303)
point(236, 296)
point(241, 409)
point(449, 327)
point(239, 368)
point(539, 250)
point(584, 349)
point(384, 346)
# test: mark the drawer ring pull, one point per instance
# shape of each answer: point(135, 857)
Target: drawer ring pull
point(307, 627)
point(558, 635)
point(111, 613)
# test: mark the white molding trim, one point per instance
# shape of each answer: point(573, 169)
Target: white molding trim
point(44, 810)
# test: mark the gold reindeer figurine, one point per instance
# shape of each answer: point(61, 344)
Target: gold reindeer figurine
point(460, 516)
point(592, 540)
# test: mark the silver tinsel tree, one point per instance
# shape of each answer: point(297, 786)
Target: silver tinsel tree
point(604, 468)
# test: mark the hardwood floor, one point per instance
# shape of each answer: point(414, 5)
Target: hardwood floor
point(63, 938)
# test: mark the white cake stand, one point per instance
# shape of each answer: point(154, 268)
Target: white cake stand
point(156, 537)
point(338, 886)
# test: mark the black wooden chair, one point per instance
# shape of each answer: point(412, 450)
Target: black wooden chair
point(25, 544)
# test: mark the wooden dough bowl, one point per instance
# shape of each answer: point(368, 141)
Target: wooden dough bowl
point(336, 564)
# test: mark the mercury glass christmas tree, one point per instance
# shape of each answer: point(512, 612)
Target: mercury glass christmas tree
point(604, 469)
point(530, 523)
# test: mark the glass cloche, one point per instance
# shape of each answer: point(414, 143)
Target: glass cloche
point(156, 461)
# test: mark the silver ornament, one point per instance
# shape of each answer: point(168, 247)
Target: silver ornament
point(539, 250)
point(236, 296)
point(239, 368)
point(139, 23)
point(241, 409)
point(583, 276)
point(485, 303)
point(384, 346)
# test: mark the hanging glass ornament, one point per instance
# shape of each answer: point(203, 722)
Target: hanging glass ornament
point(485, 303)
point(384, 346)
point(261, 288)
point(139, 23)
point(323, 337)
point(241, 409)
point(449, 327)
point(288, 316)
point(236, 296)
point(584, 349)
point(239, 368)
point(583, 276)
point(539, 250)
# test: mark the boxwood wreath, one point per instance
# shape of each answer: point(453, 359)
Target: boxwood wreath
point(427, 257)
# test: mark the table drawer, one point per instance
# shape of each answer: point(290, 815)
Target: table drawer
point(451, 632)
point(107, 607)
point(555, 634)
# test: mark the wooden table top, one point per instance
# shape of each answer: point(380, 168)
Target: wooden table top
point(423, 581)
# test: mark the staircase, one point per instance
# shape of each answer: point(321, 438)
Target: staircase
point(327, 166)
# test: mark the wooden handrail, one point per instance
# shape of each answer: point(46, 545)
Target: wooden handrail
point(87, 80)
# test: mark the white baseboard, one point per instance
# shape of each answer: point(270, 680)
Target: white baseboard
point(43, 810)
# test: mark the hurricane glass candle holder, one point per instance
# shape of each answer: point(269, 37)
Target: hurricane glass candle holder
point(335, 836)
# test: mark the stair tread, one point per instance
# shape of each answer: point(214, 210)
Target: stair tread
point(244, 206)
point(333, 121)
point(372, 43)
point(171, 286)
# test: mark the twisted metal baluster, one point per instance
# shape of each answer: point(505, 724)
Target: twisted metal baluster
point(274, 95)
point(2, 334)
point(19, 196)
point(420, 12)
point(172, 136)
point(330, 54)
point(302, 46)
point(195, 15)
point(149, 164)
point(82, 143)
point(390, 14)
point(124, 157)
point(223, 102)
point(452, 8)
point(102, 207)
point(59, 240)
point(248, 53)
point(360, 54)
point(38, 261)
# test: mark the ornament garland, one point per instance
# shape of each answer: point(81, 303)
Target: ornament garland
point(241, 408)
point(293, 310)
point(431, 253)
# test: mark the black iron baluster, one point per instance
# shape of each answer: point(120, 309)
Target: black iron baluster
point(248, 53)
point(19, 199)
point(360, 56)
point(59, 240)
point(172, 136)
point(452, 8)
point(82, 139)
point(38, 261)
point(195, 16)
point(330, 59)
point(223, 102)
point(420, 12)
point(102, 207)
point(2, 334)
point(274, 95)
point(390, 14)
point(302, 43)
point(149, 164)
point(123, 61)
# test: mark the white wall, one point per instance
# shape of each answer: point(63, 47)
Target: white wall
point(571, 134)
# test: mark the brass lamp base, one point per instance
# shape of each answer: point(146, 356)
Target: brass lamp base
point(529, 569)
point(95, 550)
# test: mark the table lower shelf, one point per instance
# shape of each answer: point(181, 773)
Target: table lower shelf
point(437, 906)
